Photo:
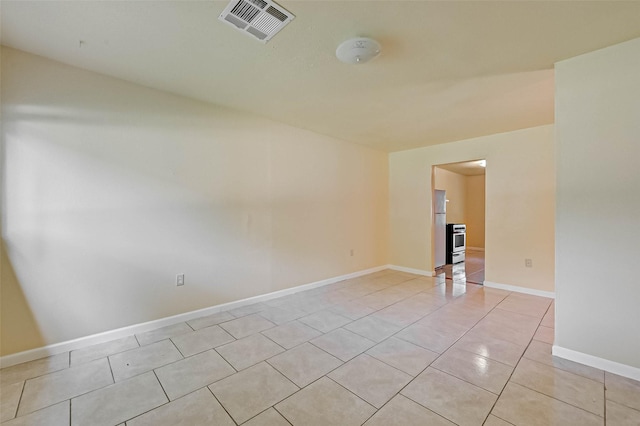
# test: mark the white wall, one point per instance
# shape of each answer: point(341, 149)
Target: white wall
point(520, 204)
point(598, 204)
point(111, 189)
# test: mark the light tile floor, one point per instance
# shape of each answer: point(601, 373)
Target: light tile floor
point(389, 348)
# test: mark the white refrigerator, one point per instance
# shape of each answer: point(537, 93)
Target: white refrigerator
point(440, 229)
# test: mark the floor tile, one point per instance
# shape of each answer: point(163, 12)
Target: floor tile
point(252, 391)
point(103, 350)
point(490, 347)
point(9, 398)
point(325, 403)
point(621, 415)
point(623, 390)
point(452, 398)
point(522, 406)
point(351, 309)
point(209, 320)
point(495, 421)
point(185, 376)
point(370, 379)
point(325, 321)
point(291, 334)
point(247, 325)
point(509, 326)
point(243, 311)
point(373, 328)
point(280, 316)
point(562, 385)
point(201, 340)
point(399, 315)
point(119, 402)
point(251, 350)
point(56, 415)
point(463, 316)
point(304, 364)
point(528, 305)
point(269, 417)
point(428, 337)
point(405, 356)
point(197, 408)
point(381, 299)
point(64, 384)
point(343, 344)
point(447, 291)
point(475, 369)
point(163, 333)
point(401, 411)
point(549, 318)
point(541, 352)
point(544, 334)
point(145, 358)
point(31, 369)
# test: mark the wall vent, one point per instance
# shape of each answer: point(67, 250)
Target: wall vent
point(261, 19)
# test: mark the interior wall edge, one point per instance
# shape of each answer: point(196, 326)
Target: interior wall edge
point(597, 362)
point(412, 270)
point(518, 289)
point(94, 339)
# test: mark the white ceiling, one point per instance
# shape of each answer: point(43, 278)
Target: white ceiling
point(467, 168)
point(449, 70)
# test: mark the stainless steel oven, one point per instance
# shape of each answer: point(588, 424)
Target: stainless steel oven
point(456, 242)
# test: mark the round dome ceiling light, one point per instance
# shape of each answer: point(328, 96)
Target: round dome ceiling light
point(358, 50)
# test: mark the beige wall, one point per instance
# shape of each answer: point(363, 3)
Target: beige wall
point(456, 186)
point(598, 208)
point(474, 210)
point(111, 189)
point(465, 195)
point(520, 204)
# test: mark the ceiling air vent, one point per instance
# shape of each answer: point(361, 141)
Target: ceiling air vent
point(261, 19)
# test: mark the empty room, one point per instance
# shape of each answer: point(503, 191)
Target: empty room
point(251, 212)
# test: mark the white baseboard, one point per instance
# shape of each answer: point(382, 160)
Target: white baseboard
point(474, 248)
point(94, 339)
point(596, 362)
point(411, 270)
point(517, 289)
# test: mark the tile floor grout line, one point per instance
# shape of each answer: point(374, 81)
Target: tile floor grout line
point(559, 400)
point(394, 335)
point(448, 302)
point(282, 414)
point(354, 394)
point(512, 371)
point(15, 415)
point(111, 369)
point(219, 402)
point(226, 360)
point(441, 354)
point(162, 387)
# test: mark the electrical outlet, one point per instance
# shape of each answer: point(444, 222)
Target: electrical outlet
point(180, 279)
point(528, 263)
point(352, 251)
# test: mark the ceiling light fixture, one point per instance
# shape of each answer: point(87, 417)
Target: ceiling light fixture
point(358, 50)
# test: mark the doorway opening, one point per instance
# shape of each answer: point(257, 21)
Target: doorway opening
point(462, 185)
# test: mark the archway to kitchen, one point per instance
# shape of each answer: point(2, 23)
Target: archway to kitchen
point(458, 194)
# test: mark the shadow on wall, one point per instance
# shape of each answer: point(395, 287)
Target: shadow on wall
point(112, 189)
point(18, 328)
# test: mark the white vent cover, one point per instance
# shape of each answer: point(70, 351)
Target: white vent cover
point(261, 19)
